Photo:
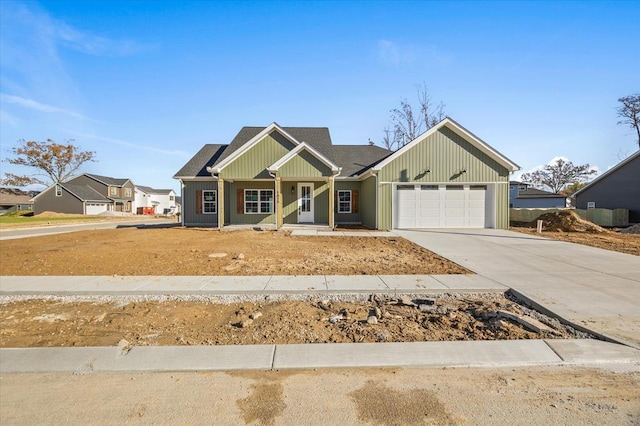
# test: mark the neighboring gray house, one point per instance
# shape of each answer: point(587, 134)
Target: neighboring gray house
point(87, 194)
point(617, 188)
point(523, 196)
point(71, 199)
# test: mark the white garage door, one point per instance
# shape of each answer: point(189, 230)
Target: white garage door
point(440, 206)
point(95, 208)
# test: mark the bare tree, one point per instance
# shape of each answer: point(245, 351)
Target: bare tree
point(408, 122)
point(55, 161)
point(559, 175)
point(629, 111)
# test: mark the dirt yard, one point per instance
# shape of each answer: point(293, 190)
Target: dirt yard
point(193, 251)
point(568, 226)
point(73, 321)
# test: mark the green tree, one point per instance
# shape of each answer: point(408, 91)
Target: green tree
point(559, 175)
point(52, 160)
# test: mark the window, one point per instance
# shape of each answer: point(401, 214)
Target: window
point(113, 190)
point(209, 202)
point(257, 201)
point(127, 192)
point(591, 205)
point(58, 191)
point(344, 201)
point(171, 198)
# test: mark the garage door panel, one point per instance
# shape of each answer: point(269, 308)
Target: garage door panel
point(433, 206)
point(429, 205)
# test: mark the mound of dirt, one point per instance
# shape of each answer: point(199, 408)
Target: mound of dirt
point(54, 214)
point(635, 229)
point(566, 221)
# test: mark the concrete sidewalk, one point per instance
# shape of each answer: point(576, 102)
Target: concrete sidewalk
point(593, 288)
point(507, 353)
point(267, 284)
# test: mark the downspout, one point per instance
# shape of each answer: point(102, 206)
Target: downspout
point(275, 196)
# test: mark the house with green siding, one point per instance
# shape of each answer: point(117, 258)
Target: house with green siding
point(277, 176)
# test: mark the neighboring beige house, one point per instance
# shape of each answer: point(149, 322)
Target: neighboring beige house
point(14, 199)
point(446, 178)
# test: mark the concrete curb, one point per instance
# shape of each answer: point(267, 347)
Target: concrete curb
point(511, 353)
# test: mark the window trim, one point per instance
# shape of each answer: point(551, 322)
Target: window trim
point(113, 191)
point(340, 203)
point(259, 201)
point(58, 190)
point(206, 202)
point(127, 192)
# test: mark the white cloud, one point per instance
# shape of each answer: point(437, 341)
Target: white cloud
point(38, 106)
point(120, 142)
point(396, 55)
point(8, 119)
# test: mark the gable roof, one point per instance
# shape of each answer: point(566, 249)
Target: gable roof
point(462, 132)
point(357, 159)
point(150, 190)
point(247, 137)
point(303, 147)
point(206, 157)
point(609, 172)
point(84, 192)
point(107, 180)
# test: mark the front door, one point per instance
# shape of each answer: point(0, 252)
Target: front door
point(305, 203)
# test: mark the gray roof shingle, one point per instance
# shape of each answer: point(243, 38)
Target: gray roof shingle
point(108, 180)
point(354, 159)
point(206, 157)
point(538, 193)
point(150, 190)
point(85, 192)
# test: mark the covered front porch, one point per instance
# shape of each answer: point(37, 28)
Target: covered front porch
point(277, 203)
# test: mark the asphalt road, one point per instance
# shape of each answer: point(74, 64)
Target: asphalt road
point(14, 233)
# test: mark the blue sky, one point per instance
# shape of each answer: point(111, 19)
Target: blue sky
point(145, 84)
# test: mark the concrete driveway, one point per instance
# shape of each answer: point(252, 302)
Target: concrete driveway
point(594, 288)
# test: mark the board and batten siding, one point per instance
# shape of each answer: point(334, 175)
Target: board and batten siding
point(368, 202)
point(253, 163)
point(354, 187)
point(190, 201)
point(445, 154)
point(304, 164)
